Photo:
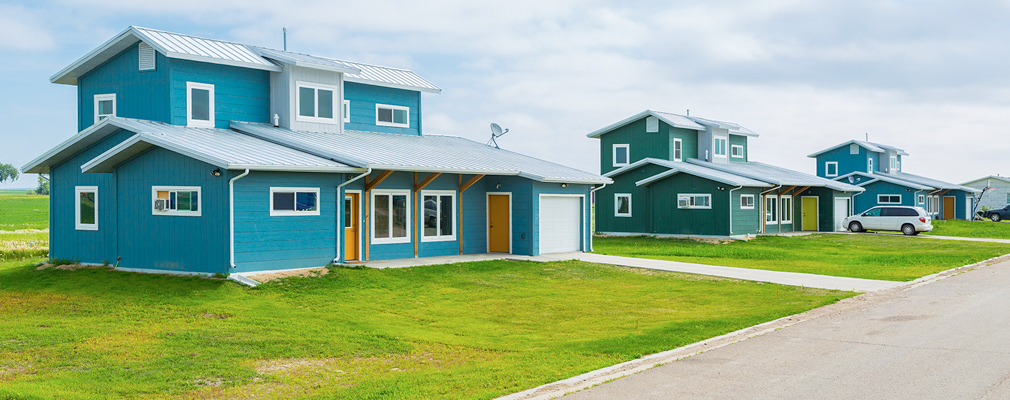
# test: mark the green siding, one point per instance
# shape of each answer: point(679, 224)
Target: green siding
point(746, 221)
point(738, 141)
point(673, 220)
point(640, 220)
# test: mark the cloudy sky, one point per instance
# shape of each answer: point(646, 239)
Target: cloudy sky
point(931, 77)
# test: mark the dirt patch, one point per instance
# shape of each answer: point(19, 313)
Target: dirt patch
point(286, 366)
point(216, 316)
point(71, 267)
point(320, 271)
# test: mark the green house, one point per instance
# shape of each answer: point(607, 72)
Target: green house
point(683, 175)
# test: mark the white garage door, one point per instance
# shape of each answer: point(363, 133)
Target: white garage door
point(560, 224)
point(841, 212)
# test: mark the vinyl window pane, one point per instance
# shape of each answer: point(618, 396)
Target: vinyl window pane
point(305, 201)
point(105, 107)
point(382, 216)
point(347, 213)
point(622, 155)
point(325, 103)
point(87, 200)
point(623, 205)
point(399, 220)
point(200, 104)
point(400, 116)
point(385, 115)
point(430, 216)
point(184, 201)
point(445, 215)
point(306, 102)
point(284, 201)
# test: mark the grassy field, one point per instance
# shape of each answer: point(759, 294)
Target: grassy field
point(473, 330)
point(868, 256)
point(20, 211)
point(971, 229)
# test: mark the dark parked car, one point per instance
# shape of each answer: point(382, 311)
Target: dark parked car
point(997, 215)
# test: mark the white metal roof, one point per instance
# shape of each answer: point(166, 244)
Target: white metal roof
point(777, 175)
point(874, 147)
point(187, 47)
point(676, 120)
point(860, 178)
point(928, 181)
point(689, 169)
point(428, 153)
point(995, 177)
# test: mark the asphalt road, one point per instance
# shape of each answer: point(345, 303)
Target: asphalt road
point(949, 339)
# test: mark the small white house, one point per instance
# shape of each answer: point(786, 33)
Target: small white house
point(996, 197)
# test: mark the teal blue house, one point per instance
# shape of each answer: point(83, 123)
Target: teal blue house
point(196, 155)
point(684, 175)
point(877, 168)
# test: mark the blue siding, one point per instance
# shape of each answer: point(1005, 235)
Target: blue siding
point(164, 242)
point(264, 242)
point(139, 94)
point(240, 94)
point(65, 240)
point(543, 188)
point(846, 162)
point(363, 99)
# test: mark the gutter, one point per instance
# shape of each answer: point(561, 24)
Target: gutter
point(231, 216)
point(340, 227)
point(731, 208)
point(592, 195)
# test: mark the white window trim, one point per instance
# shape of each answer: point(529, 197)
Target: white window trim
point(775, 215)
point(716, 148)
point(392, 124)
point(869, 165)
point(616, 204)
point(782, 209)
point(627, 152)
point(371, 206)
point(346, 110)
point(315, 91)
point(921, 198)
point(678, 144)
point(827, 168)
point(196, 123)
point(199, 200)
point(733, 151)
point(104, 97)
point(439, 237)
point(77, 208)
point(296, 190)
point(751, 197)
point(894, 163)
point(695, 207)
point(888, 202)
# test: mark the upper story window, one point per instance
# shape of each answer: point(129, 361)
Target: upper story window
point(621, 155)
point(736, 151)
point(719, 147)
point(286, 201)
point(176, 200)
point(199, 105)
point(869, 165)
point(105, 106)
point(831, 168)
point(396, 116)
point(678, 150)
point(315, 103)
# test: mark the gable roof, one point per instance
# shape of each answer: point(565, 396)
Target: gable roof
point(187, 47)
point(777, 175)
point(874, 147)
point(222, 148)
point(690, 169)
point(678, 121)
point(996, 177)
point(930, 182)
point(870, 178)
point(428, 153)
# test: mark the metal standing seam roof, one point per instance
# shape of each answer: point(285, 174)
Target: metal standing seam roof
point(777, 175)
point(393, 77)
point(874, 147)
point(731, 127)
point(999, 178)
point(928, 181)
point(219, 147)
point(692, 169)
point(676, 120)
point(877, 177)
point(428, 153)
point(305, 60)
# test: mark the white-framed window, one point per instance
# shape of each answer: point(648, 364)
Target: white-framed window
point(347, 111)
point(176, 200)
point(736, 151)
point(747, 201)
point(922, 199)
point(622, 204)
point(888, 199)
point(294, 201)
point(831, 168)
point(86, 208)
point(869, 165)
point(396, 116)
point(719, 148)
point(694, 200)
point(315, 102)
point(390, 216)
point(105, 106)
point(786, 208)
point(622, 155)
point(678, 150)
point(439, 215)
point(771, 210)
point(146, 57)
point(936, 204)
point(199, 105)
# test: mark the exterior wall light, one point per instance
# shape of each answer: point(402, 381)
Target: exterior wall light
point(216, 172)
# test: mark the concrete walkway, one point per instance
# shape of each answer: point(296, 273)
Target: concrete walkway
point(967, 239)
point(760, 275)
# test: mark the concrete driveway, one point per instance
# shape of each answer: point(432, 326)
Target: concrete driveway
point(949, 339)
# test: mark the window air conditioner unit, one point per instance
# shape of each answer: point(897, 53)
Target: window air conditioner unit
point(160, 204)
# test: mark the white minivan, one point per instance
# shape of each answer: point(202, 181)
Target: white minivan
point(908, 220)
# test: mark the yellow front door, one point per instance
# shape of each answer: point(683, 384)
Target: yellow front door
point(810, 213)
point(498, 223)
point(351, 222)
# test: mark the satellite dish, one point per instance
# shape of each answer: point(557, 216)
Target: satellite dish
point(496, 132)
point(851, 179)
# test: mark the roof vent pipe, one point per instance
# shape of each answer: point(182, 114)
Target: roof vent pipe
point(285, 30)
point(277, 120)
point(706, 156)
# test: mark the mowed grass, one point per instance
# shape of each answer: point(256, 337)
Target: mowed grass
point(460, 331)
point(868, 256)
point(20, 211)
point(971, 229)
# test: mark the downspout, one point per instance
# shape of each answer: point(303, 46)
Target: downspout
point(731, 208)
point(764, 208)
point(592, 208)
point(340, 211)
point(231, 215)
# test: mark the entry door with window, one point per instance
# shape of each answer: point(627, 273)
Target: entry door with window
point(351, 223)
point(498, 221)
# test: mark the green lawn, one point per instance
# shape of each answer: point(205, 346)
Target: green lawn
point(868, 256)
point(971, 229)
point(19, 211)
point(473, 330)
